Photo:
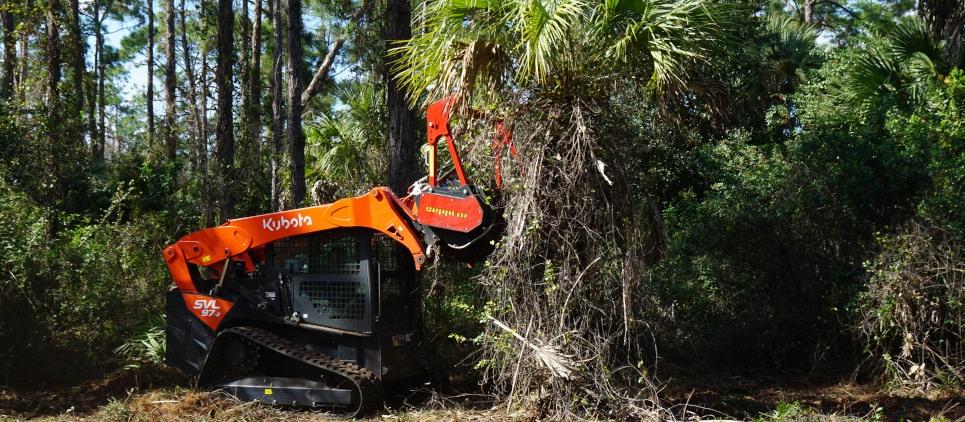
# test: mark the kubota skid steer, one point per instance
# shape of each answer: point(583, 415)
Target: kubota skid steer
point(320, 306)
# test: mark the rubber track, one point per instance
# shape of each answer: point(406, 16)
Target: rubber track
point(369, 388)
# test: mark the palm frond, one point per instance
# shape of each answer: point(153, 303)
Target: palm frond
point(473, 47)
point(334, 147)
point(912, 37)
point(147, 347)
point(907, 64)
point(463, 43)
point(545, 35)
point(669, 35)
point(792, 33)
point(875, 73)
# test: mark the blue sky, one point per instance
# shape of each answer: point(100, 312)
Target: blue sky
point(136, 81)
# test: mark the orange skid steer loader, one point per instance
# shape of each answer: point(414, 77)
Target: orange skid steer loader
point(320, 306)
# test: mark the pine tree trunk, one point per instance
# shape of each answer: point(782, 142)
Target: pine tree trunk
point(9, 54)
point(244, 66)
point(946, 21)
point(24, 58)
point(53, 54)
point(296, 136)
point(205, 71)
point(198, 137)
point(96, 149)
point(150, 72)
point(277, 122)
point(225, 143)
point(245, 144)
point(809, 10)
point(79, 48)
point(210, 185)
point(101, 74)
point(170, 84)
point(254, 111)
point(322, 72)
point(198, 112)
point(401, 118)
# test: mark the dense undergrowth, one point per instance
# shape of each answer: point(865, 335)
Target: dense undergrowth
point(71, 294)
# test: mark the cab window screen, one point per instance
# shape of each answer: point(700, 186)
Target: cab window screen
point(317, 254)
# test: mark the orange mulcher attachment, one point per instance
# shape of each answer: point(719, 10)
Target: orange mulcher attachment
point(454, 213)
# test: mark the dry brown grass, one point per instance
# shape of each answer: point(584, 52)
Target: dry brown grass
point(711, 398)
point(181, 404)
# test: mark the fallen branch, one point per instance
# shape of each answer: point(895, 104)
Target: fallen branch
point(312, 89)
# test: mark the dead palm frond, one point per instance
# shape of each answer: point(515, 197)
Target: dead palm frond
point(558, 364)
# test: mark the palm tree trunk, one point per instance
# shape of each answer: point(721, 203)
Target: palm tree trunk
point(277, 122)
point(296, 136)
point(225, 144)
point(9, 54)
point(150, 72)
point(401, 118)
point(170, 83)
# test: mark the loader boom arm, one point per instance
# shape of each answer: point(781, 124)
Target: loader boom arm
point(378, 210)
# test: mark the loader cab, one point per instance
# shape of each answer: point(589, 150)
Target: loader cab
point(352, 294)
point(352, 280)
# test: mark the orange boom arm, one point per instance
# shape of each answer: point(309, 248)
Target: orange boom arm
point(376, 210)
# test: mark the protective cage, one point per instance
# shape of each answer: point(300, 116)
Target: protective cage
point(352, 279)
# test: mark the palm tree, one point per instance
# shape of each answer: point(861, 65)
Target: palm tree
point(480, 46)
point(334, 148)
point(794, 50)
point(347, 147)
point(904, 65)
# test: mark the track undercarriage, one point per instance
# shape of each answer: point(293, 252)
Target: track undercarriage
point(262, 366)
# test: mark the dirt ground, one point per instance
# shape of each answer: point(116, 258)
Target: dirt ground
point(158, 394)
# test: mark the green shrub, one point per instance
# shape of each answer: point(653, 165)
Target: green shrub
point(147, 347)
point(71, 295)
